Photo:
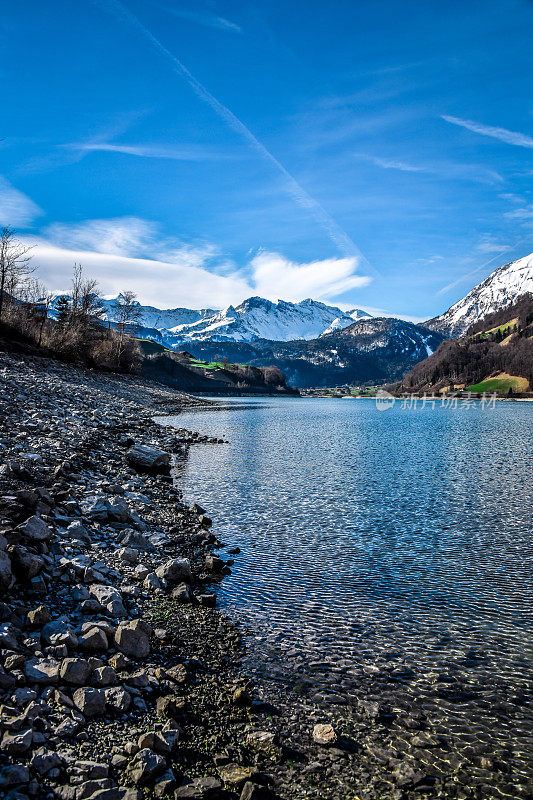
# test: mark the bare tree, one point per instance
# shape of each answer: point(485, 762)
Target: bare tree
point(15, 266)
point(86, 304)
point(128, 311)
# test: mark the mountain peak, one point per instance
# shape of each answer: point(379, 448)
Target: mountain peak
point(501, 289)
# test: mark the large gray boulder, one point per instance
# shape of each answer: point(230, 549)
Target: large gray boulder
point(133, 638)
point(146, 457)
point(175, 570)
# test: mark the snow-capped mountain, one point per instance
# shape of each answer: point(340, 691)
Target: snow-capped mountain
point(257, 318)
point(502, 288)
point(162, 319)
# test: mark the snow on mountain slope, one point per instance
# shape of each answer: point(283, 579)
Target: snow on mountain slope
point(257, 318)
point(502, 288)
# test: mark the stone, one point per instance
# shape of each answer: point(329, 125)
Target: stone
point(42, 670)
point(200, 789)
point(44, 760)
point(91, 702)
point(214, 564)
point(128, 555)
point(152, 582)
point(6, 573)
point(93, 641)
point(241, 696)
point(75, 671)
point(15, 744)
point(133, 638)
point(146, 766)
point(207, 600)
point(175, 570)
point(183, 593)
point(235, 775)
point(153, 740)
point(117, 698)
point(170, 706)
point(264, 742)
point(110, 598)
point(13, 775)
point(25, 564)
point(324, 734)
point(104, 676)
point(35, 529)
point(254, 791)
point(39, 615)
point(145, 457)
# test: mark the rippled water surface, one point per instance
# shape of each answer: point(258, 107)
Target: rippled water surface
point(380, 545)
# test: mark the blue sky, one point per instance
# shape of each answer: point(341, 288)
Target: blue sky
point(374, 155)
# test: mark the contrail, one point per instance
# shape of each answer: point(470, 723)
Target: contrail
point(336, 234)
point(478, 269)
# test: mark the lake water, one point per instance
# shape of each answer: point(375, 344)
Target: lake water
point(388, 551)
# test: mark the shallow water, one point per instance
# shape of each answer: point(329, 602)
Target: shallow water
point(385, 549)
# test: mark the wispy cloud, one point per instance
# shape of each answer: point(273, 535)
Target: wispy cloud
point(387, 163)
point(332, 229)
point(510, 137)
point(524, 214)
point(129, 252)
point(276, 277)
point(445, 170)
point(189, 152)
point(206, 19)
point(16, 208)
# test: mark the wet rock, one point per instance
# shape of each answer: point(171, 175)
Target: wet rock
point(183, 593)
point(254, 791)
point(91, 702)
point(143, 457)
point(324, 734)
point(214, 564)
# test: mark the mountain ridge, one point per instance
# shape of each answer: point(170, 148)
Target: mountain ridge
point(500, 289)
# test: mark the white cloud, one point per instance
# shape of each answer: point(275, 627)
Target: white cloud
point(16, 209)
point(510, 137)
point(206, 19)
point(129, 253)
point(274, 277)
point(386, 163)
point(126, 236)
point(187, 152)
point(161, 283)
point(524, 214)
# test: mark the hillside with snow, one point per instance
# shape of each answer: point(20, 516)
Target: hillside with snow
point(255, 318)
point(501, 289)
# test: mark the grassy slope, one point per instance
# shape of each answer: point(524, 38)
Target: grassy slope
point(501, 383)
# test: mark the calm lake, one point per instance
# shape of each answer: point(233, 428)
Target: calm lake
point(385, 549)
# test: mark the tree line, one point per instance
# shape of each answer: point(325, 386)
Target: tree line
point(79, 331)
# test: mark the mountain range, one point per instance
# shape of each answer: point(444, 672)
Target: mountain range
point(254, 318)
point(316, 344)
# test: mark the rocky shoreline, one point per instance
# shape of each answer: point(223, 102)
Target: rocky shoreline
point(120, 679)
